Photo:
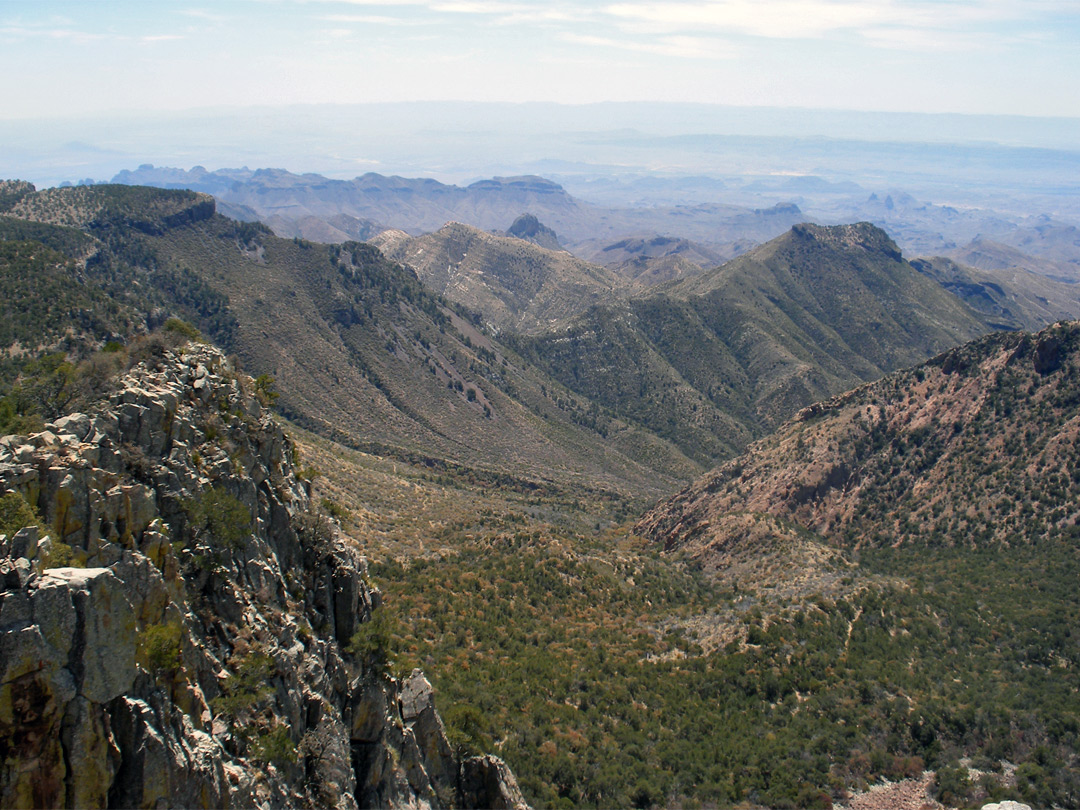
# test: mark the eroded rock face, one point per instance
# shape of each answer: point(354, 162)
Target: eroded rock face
point(197, 655)
point(487, 782)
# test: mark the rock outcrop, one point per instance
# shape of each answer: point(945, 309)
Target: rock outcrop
point(196, 646)
point(531, 229)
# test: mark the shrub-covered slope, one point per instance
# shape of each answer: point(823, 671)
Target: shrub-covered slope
point(714, 360)
point(955, 483)
point(360, 349)
point(976, 447)
point(516, 285)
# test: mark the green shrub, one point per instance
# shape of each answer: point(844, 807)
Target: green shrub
point(46, 386)
point(222, 516)
point(59, 555)
point(467, 729)
point(373, 642)
point(16, 513)
point(247, 686)
point(952, 786)
point(265, 391)
point(274, 747)
point(334, 509)
point(161, 646)
point(182, 329)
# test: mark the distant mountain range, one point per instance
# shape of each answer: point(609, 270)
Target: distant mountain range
point(417, 206)
point(653, 240)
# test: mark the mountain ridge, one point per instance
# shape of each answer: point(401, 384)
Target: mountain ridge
point(713, 360)
point(361, 349)
point(918, 427)
point(516, 285)
point(422, 205)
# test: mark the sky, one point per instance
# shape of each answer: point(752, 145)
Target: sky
point(1016, 57)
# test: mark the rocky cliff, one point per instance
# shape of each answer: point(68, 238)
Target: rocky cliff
point(190, 632)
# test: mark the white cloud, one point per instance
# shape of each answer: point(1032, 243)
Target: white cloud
point(511, 11)
point(788, 18)
point(378, 3)
point(476, 7)
point(921, 39)
point(884, 21)
point(203, 14)
point(680, 46)
point(549, 14)
point(48, 32)
point(373, 19)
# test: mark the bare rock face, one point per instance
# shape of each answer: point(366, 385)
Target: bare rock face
point(487, 782)
point(194, 649)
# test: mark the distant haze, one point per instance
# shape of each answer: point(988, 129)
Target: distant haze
point(966, 56)
point(460, 141)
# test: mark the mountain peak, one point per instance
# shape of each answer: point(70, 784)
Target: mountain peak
point(526, 182)
point(531, 229)
point(863, 235)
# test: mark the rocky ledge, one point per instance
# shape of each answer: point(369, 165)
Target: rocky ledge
point(190, 632)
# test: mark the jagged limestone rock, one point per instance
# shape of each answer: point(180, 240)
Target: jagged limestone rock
point(196, 661)
point(68, 647)
point(418, 711)
point(487, 782)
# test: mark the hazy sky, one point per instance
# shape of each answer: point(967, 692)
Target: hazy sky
point(968, 56)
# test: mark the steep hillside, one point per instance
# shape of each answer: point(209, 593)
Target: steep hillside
point(105, 231)
point(1009, 298)
point(191, 632)
point(45, 312)
point(516, 285)
point(956, 452)
point(655, 363)
point(845, 291)
point(359, 348)
point(715, 359)
point(333, 229)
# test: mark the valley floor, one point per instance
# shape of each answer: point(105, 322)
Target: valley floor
point(607, 673)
